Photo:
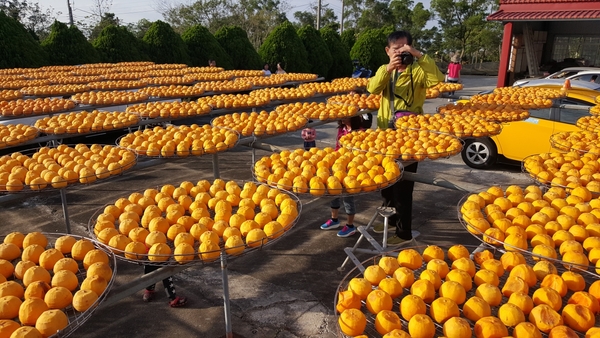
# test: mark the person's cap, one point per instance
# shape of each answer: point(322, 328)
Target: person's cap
point(455, 58)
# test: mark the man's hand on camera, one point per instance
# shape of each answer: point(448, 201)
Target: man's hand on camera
point(395, 62)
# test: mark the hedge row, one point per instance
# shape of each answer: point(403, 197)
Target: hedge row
point(305, 50)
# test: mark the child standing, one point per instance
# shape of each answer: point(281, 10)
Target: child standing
point(174, 300)
point(309, 135)
point(344, 127)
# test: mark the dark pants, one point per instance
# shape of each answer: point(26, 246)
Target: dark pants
point(400, 196)
point(309, 144)
point(167, 282)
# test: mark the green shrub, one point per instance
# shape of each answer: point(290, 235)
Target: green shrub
point(17, 46)
point(319, 57)
point(236, 44)
point(342, 65)
point(68, 46)
point(117, 44)
point(283, 45)
point(202, 46)
point(348, 38)
point(369, 49)
point(164, 45)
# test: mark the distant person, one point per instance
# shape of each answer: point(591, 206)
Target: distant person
point(266, 70)
point(454, 70)
point(212, 63)
point(279, 69)
point(309, 135)
point(594, 78)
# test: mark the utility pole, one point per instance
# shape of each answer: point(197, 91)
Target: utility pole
point(342, 23)
point(319, 15)
point(70, 13)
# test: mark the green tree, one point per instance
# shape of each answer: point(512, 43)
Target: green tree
point(36, 19)
point(463, 24)
point(202, 46)
point(319, 57)
point(139, 28)
point(106, 20)
point(369, 49)
point(117, 44)
point(328, 16)
point(234, 41)
point(68, 46)
point(375, 15)
point(342, 65)
point(348, 38)
point(283, 45)
point(256, 17)
point(164, 45)
point(17, 46)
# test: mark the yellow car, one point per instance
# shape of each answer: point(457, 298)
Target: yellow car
point(531, 136)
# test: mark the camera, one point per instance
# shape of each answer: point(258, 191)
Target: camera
point(406, 58)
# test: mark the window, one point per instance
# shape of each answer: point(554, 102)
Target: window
point(577, 47)
point(541, 113)
point(571, 115)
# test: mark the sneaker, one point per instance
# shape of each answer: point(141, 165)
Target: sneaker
point(346, 231)
point(378, 229)
point(396, 241)
point(330, 224)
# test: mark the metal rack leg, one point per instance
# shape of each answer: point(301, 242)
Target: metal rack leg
point(63, 198)
point(215, 163)
point(228, 329)
point(341, 268)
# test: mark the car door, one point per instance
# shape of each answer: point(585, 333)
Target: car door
point(523, 138)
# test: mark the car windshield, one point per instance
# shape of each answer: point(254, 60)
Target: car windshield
point(571, 114)
point(595, 78)
point(562, 74)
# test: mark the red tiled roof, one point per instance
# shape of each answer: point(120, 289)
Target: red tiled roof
point(513, 2)
point(534, 15)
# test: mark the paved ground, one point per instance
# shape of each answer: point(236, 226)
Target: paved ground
point(285, 290)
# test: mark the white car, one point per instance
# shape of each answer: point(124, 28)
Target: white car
point(566, 73)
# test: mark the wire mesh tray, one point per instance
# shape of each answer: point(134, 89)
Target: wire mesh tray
point(589, 123)
point(490, 252)
point(391, 147)
point(580, 141)
point(184, 152)
point(508, 114)
point(258, 129)
point(75, 318)
point(131, 120)
point(434, 124)
point(113, 168)
point(13, 141)
point(206, 257)
point(51, 106)
point(342, 191)
point(563, 175)
point(498, 241)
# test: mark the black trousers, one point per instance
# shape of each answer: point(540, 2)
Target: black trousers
point(167, 282)
point(400, 196)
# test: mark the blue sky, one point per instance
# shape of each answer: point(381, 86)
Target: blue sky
point(131, 11)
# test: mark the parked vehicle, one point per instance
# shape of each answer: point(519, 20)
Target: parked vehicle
point(567, 73)
point(531, 136)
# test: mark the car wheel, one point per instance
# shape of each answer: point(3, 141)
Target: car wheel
point(479, 153)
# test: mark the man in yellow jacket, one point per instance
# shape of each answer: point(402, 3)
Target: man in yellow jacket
point(409, 73)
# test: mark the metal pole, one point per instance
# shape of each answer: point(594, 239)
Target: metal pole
point(342, 20)
point(319, 15)
point(63, 198)
point(70, 12)
point(228, 329)
point(215, 163)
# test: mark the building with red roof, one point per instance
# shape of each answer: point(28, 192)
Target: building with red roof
point(547, 32)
